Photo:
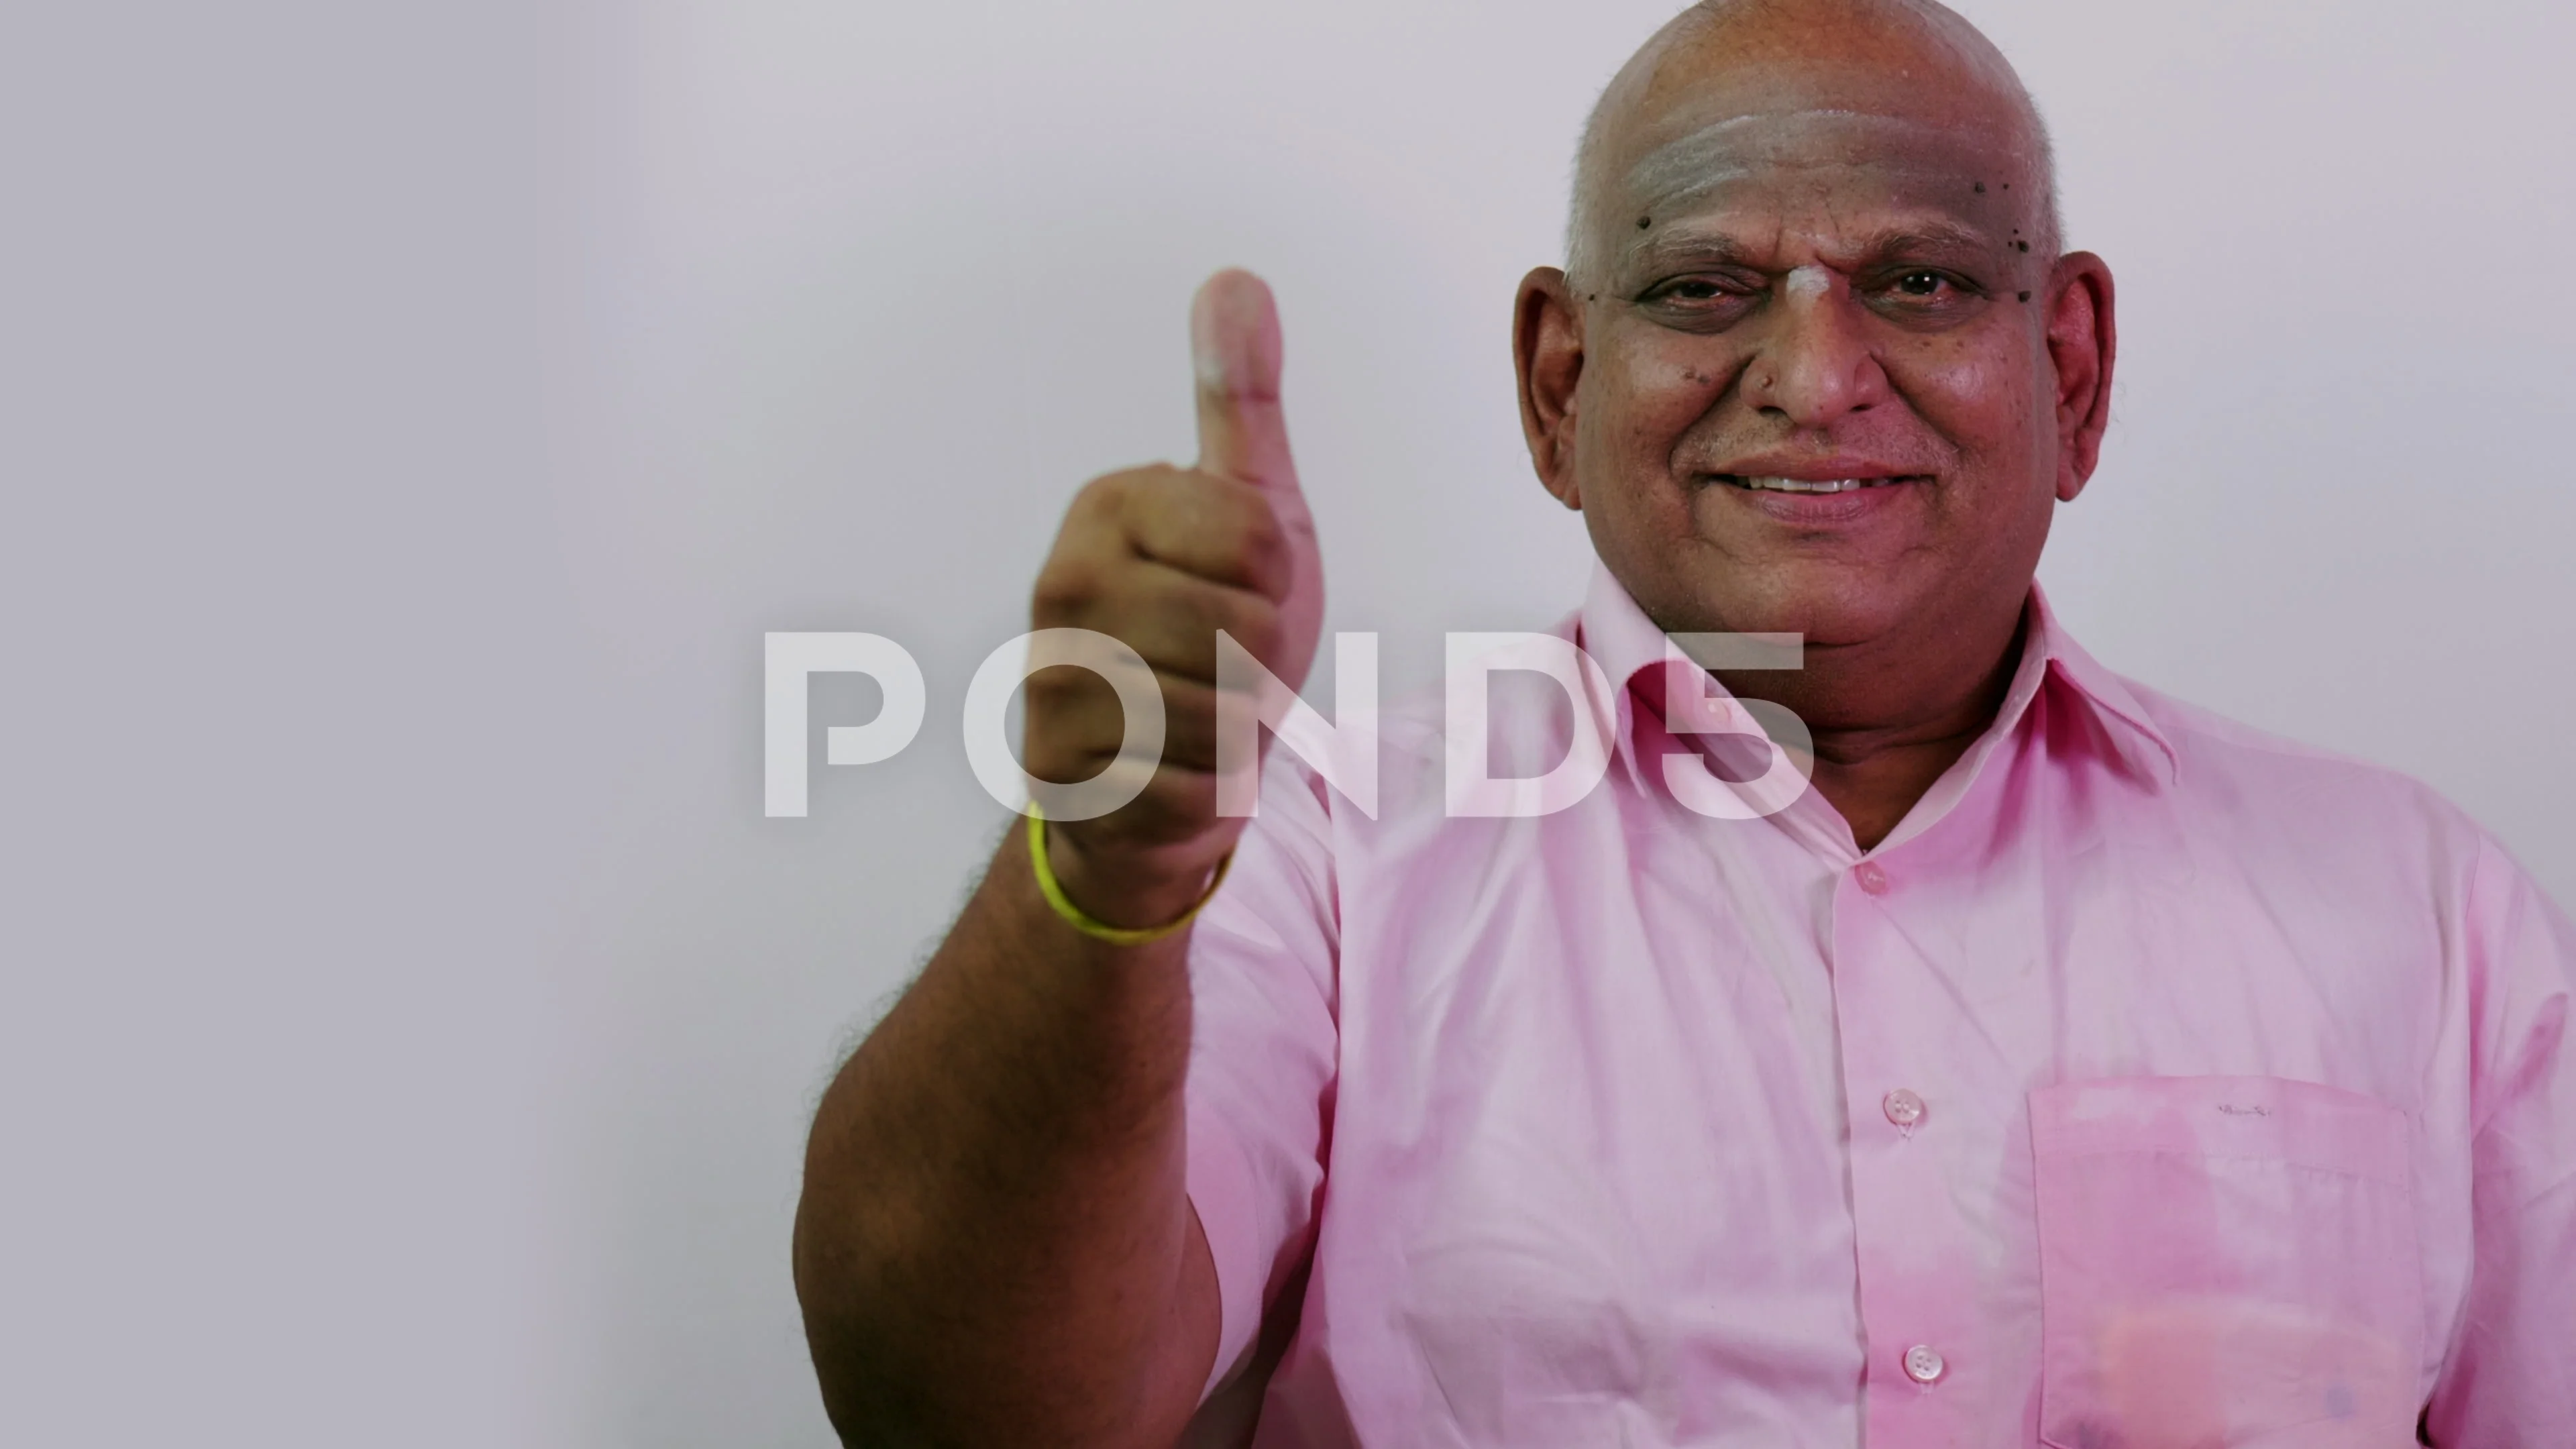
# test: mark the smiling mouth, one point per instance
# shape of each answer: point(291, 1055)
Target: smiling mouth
point(1808, 485)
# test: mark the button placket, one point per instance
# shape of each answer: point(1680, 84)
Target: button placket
point(1909, 1235)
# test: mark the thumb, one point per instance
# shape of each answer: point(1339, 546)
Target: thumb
point(1234, 345)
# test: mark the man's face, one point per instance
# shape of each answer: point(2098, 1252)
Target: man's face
point(1797, 288)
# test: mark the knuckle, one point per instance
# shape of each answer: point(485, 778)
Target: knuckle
point(1255, 626)
point(1100, 498)
point(1120, 486)
point(1065, 702)
point(1066, 589)
point(1153, 486)
point(1104, 503)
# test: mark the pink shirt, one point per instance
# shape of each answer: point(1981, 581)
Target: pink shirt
point(2155, 1083)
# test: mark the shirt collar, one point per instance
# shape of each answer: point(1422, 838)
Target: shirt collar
point(1625, 643)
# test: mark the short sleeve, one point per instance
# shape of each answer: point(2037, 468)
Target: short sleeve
point(1263, 1049)
point(2511, 1374)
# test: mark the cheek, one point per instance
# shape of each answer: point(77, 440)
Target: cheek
point(1980, 392)
point(1650, 396)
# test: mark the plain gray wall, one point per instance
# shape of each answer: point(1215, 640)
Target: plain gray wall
point(413, 422)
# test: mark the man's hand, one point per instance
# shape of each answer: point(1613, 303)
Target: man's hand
point(1161, 558)
point(995, 1244)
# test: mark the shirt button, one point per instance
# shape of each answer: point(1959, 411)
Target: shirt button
point(1872, 878)
point(1904, 1109)
point(1923, 1363)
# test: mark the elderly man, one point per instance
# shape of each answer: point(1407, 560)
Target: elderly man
point(2068, 1066)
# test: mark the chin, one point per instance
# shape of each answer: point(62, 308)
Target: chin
point(1828, 605)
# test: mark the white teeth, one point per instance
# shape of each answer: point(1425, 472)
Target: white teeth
point(1802, 485)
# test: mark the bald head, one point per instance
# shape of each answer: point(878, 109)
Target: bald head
point(1716, 89)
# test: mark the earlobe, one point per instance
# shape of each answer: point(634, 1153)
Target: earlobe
point(1547, 355)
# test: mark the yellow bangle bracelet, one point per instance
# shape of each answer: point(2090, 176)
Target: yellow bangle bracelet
point(1081, 920)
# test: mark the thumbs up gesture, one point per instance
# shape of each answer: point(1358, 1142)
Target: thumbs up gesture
point(1161, 558)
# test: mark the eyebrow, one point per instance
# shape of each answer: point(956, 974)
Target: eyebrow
point(1684, 247)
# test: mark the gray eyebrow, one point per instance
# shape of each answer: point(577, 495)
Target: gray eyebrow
point(1689, 246)
point(1928, 234)
point(1686, 245)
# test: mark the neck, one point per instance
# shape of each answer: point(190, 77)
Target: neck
point(1881, 737)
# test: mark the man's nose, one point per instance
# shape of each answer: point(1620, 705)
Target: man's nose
point(1814, 365)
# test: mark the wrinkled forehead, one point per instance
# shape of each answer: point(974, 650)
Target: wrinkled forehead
point(1801, 165)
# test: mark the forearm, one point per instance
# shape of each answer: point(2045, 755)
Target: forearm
point(995, 1243)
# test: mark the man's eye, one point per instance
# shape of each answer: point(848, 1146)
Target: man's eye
point(1699, 303)
point(1923, 296)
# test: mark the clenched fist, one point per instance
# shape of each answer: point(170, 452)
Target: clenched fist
point(1161, 558)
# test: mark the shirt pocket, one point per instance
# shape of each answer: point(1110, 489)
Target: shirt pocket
point(2224, 1261)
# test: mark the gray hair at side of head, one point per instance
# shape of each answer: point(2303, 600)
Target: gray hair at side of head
point(1583, 226)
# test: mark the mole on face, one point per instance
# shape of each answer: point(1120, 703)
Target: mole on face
point(1644, 222)
point(1981, 188)
point(2025, 296)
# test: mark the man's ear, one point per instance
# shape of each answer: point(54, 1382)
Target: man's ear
point(2082, 340)
point(1547, 353)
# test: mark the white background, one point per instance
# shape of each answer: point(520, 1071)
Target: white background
point(410, 423)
